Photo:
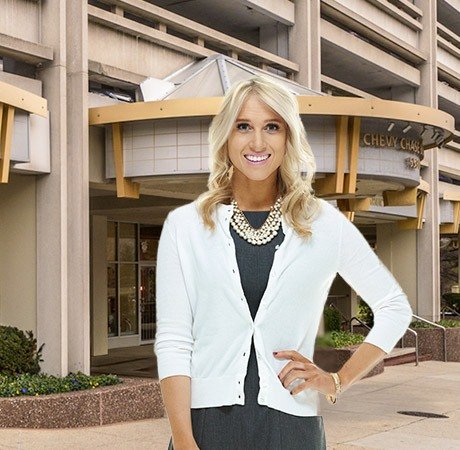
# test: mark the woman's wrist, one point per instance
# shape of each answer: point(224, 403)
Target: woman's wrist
point(337, 387)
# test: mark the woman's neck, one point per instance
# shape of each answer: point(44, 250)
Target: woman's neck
point(254, 195)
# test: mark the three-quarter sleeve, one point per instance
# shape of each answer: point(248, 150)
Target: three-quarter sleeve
point(173, 338)
point(361, 268)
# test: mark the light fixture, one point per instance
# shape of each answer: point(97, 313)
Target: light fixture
point(409, 126)
point(390, 127)
point(424, 132)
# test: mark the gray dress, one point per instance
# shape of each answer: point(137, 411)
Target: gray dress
point(252, 426)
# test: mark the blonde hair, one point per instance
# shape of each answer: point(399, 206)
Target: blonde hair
point(299, 202)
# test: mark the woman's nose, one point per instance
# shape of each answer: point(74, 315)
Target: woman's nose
point(257, 142)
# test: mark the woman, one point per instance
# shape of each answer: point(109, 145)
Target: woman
point(243, 274)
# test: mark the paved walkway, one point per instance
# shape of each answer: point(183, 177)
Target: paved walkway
point(365, 417)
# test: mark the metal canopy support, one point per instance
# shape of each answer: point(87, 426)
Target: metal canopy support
point(452, 228)
point(125, 188)
point(417, 223)
point(354, 129)
point(6, 136)
point(333, 183)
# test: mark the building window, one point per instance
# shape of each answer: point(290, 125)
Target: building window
point(131, 254)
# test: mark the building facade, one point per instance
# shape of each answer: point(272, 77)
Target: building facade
point(105, 107)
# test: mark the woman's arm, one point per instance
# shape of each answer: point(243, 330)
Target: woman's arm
point(176, 396)
point(361, 268)
point(360, 363)
point(173, 338)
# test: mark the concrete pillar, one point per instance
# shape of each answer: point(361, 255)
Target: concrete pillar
point(52, 254)
point(78, 187)
point(99, 331)
point(62, 196)
point(428, 257)
point(305, 43)
point(396, 249)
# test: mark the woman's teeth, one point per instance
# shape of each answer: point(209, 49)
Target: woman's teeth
point(256, 158)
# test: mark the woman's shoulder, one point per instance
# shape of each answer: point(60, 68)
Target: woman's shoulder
point(329, 213)
point(184, 213)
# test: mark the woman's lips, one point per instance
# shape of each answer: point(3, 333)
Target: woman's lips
point(257, 163)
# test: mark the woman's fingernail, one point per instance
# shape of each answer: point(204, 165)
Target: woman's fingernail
point(275, 353)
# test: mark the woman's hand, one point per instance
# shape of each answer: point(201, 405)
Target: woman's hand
point(302, 367)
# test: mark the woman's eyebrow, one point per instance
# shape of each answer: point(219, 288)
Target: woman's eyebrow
point(248, 120)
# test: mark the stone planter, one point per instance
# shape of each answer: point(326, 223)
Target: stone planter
point(134, 399)
point(332, 359)
point(431, 342)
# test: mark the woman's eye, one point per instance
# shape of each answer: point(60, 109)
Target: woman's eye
point(273, 125)
point(241, 124)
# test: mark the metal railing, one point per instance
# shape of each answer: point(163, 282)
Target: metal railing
point(436, 325)
point(444, 308)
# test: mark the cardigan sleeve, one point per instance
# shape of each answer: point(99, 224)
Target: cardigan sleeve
point(173, 338)
point(360, 267)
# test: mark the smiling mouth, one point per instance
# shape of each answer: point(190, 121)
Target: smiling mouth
point(254, 158)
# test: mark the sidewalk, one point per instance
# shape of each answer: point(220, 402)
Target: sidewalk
point(365, 417)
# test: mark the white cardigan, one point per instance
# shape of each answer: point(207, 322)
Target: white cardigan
point(204, 325)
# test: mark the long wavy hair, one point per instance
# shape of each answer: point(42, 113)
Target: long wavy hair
point(295, 174)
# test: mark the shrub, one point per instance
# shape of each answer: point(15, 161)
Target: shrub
point(18, 352)
point(339, 339)
point(365, 313)
point(452, 299)
point(331, 319)
point(41, 384)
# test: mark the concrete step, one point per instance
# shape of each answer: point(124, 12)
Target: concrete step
point(403, 356)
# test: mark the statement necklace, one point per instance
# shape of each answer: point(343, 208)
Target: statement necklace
point(257, 236)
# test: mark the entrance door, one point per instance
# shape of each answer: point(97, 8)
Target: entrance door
point(147, 302)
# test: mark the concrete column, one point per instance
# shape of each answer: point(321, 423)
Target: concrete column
point(62, 196)
point(396, 249)
point(428, 256)
point(78, 187)
point(51, 198)
point(99, 332)
point(305, 43)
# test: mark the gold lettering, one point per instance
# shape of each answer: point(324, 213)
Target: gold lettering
point(366, 139)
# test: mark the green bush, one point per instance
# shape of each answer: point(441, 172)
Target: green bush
point(18, 352)
point(452, 300)
point(338, 339)
point(365, 313)
point(27, 384)
point(331, 319)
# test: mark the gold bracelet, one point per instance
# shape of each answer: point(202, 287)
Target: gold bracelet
point(332, 398)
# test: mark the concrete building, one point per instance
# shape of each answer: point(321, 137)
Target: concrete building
point(104, 110)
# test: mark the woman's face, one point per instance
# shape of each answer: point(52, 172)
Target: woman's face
point(257, 143)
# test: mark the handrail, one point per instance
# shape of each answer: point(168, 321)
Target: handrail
point(439, 326)
point(360, 321)
point(450, 309)
point(416, 343)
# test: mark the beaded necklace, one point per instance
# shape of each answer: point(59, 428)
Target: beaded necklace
point(257, 236)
